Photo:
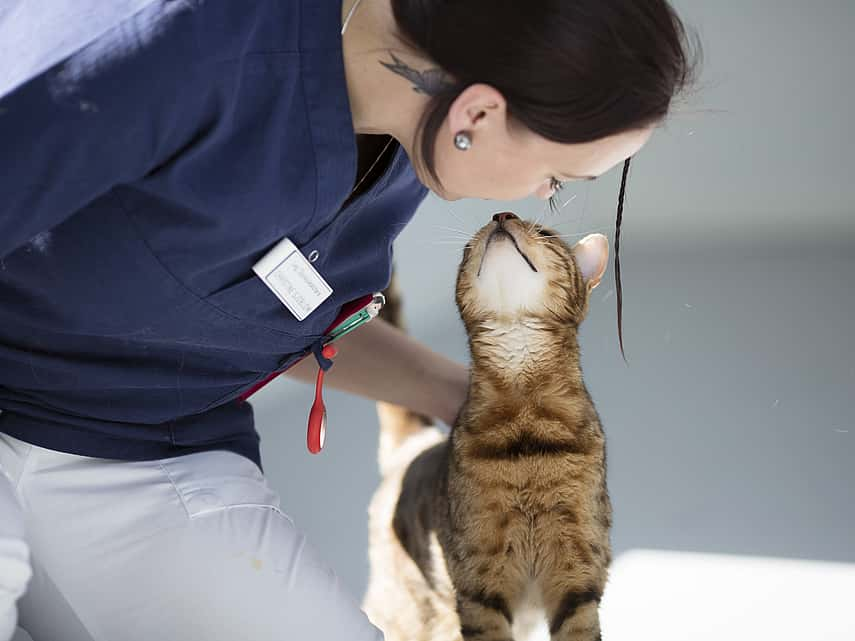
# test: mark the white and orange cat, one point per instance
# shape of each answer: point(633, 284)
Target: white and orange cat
point(504, 524)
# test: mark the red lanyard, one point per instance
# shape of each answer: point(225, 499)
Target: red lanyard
point(352, 315)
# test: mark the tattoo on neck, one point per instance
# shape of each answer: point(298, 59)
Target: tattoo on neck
point(430, 82)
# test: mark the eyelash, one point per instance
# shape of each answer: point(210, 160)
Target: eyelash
point(556, 186)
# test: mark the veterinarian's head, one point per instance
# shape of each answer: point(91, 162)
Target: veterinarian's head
point(515, 274)
point(502, 99)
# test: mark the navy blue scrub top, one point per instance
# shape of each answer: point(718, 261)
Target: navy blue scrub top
point(140, 180)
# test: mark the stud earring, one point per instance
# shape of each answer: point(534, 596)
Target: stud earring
point(462, 141)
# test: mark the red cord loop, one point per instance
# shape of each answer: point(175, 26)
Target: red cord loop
point(316, 434)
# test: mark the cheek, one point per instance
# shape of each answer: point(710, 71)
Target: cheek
point(484, 171)
point(474, 174)
point(514, 184)
point(514, 179)
point(454, 171)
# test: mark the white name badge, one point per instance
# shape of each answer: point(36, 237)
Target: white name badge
point(293, 279)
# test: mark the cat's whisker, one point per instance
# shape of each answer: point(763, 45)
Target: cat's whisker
point(450, 233)
point(444, 241)
point(579, 235)
point(451, 239)
point(448, 209)
point(454, 230)
point(570, 200)
point(563, 222)
point(585, 202)
point(454, 215)
point(447, 234)
point(604, 229)
point(538, 222)
point(454, 249)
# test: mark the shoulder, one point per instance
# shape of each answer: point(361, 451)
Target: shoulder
point(155, 57)
point(80, 40)
point(181, 36)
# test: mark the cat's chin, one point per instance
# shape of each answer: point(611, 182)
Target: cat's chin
point(503, 235)
point(507, 281)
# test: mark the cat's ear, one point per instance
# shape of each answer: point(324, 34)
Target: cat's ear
point(592, 255)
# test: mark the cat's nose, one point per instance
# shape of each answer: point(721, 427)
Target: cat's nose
point(505, 215)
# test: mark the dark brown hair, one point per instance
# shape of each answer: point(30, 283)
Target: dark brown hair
point(572, 71)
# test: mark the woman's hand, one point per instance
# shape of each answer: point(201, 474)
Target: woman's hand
point(380, 362)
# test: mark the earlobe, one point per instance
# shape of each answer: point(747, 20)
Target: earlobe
point(462, 141)
point(592, 255)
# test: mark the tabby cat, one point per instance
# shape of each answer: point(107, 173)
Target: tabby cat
point(481, 535)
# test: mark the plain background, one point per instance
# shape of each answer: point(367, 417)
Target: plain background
point(731, 428)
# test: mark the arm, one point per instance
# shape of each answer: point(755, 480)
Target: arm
point(381, 362)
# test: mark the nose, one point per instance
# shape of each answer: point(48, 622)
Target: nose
point(501, 218)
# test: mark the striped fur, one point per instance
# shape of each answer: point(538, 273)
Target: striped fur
point(482, 534)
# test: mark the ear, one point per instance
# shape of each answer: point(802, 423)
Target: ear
point(592, 255)
point(469, 108)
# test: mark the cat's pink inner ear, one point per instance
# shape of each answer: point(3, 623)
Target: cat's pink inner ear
point(592, 256)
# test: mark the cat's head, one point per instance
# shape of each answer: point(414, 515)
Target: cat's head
point(514, 270)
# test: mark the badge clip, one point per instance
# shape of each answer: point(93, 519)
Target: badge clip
point(317, 430)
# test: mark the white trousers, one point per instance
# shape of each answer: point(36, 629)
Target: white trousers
point(178, 549)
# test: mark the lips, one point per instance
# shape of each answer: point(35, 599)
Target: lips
point(500, 232)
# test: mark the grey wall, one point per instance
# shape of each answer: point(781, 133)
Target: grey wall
point(731, 428)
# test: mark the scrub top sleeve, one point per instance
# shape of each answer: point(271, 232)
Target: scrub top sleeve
point(61, 147)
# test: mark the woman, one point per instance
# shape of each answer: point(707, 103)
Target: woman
point(152, 153)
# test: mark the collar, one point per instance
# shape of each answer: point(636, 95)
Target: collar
point(328, 107)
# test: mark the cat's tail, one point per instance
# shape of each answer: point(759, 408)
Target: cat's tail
point(397, 424)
